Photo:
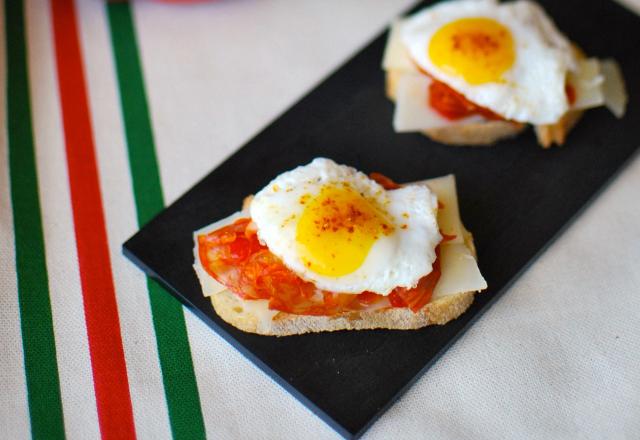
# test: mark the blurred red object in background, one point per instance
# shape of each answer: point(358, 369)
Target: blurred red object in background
point(163, 1)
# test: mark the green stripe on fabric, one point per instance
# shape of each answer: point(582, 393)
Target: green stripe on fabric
point(178, 375)
point(41, 368)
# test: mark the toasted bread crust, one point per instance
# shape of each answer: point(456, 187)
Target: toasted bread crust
point(229, 307)
point(490, 132)
point(557, 133)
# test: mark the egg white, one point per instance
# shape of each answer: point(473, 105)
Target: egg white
point(396, 260)
point(533, 90)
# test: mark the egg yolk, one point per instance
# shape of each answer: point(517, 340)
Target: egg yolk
point(337, 229)
point(478, 49)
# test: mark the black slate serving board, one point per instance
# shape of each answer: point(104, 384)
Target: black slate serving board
point(514, 197)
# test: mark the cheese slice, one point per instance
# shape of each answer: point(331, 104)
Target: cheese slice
point(449, 214)
point(413, 112)
point(587, 82)
point(615, 94)
point(599, 82)
point(459, 271)
point(459, 268)
point(396, 56)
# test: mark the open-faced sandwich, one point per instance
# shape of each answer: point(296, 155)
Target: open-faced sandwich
point(472, 72)
point(324, 247)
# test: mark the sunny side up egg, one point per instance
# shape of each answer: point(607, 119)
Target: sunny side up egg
point(508, 58)
point(335, 227)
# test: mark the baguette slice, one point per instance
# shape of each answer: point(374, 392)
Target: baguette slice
point(480, 134)
point(233, 310)
point(254, 316)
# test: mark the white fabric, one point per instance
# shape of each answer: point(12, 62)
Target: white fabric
point(138, 337)
point(72, 348)
point(14, 412)
point(556, 357)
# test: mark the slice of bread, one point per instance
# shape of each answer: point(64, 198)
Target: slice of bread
point(231, 309)
point(477, 135)
point(490, 132)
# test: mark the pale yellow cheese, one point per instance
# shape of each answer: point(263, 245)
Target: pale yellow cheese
point(449, 215)
point(412, 112)
point(459, 268)
point(587, 82)
point(459, 271)
point(615, 94)
point(599, 82)
point(396, 56)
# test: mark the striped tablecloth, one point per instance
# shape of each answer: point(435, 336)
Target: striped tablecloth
point(114, 109)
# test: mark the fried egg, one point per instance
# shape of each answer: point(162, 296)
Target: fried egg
point(335, 227)
point(507, 57)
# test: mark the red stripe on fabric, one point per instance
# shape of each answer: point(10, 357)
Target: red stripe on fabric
point(111, 384)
